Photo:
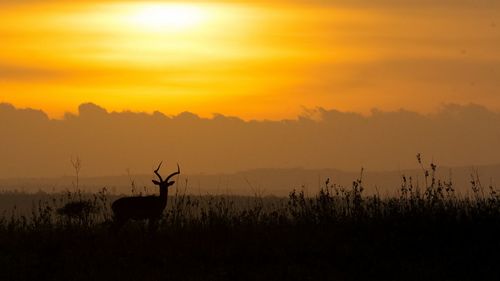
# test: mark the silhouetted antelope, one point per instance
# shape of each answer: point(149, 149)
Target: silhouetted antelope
point(143, 207)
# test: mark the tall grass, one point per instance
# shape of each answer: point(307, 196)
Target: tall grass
point(436, 200)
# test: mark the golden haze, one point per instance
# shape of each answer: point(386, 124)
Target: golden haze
point(248, 59)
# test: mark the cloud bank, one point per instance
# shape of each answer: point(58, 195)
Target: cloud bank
point(109, 143)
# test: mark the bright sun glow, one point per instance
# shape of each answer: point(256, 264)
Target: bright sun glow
point(158, 17)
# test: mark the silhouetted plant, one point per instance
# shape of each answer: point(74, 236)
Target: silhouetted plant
point(78, 210)
point(76, 163)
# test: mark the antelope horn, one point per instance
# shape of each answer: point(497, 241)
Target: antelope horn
point(174, 173)
point(156, 172)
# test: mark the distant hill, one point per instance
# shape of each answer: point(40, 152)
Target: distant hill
point(260, 181)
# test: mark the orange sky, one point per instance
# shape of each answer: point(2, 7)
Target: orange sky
point(252, 59)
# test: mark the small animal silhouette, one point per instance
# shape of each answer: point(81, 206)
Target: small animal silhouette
point(80, 210)
point(143, 207)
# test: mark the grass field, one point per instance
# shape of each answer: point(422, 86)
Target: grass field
point(423, 232)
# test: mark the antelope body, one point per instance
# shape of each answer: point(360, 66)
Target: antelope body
point(143, 207)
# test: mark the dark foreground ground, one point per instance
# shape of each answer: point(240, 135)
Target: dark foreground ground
point(337, 235)
point(389, 250)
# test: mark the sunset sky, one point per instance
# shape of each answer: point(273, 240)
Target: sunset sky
point(252, 59)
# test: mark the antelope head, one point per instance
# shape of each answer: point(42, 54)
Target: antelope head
point(165, 184)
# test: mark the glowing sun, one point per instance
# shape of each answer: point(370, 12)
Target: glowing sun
point(159, 17)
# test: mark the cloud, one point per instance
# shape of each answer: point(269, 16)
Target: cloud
point(29, 116)
point(91, 110)
point(27, 73)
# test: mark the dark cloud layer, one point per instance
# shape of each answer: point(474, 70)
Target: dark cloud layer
point(110, 142)
point(27, 73)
